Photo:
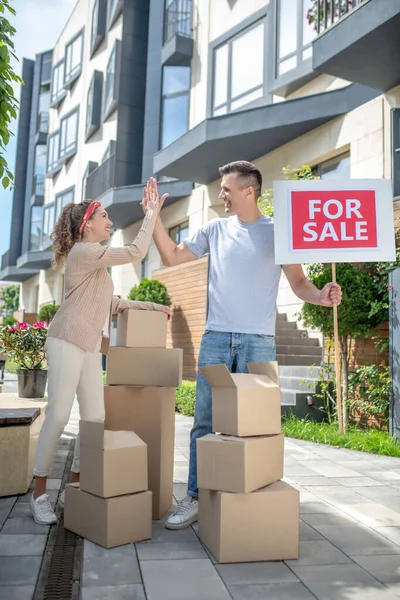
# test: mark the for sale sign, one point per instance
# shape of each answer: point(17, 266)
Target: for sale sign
point(333, 221)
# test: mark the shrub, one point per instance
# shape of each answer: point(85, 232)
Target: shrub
point(47, 312)
point(186, 398)
point(9, 321)
point(369, 391)
point(24, 344)
point(150, 290)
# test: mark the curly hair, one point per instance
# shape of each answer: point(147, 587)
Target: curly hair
point(66, 231)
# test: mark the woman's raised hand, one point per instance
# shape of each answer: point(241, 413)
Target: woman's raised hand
point(151, 200)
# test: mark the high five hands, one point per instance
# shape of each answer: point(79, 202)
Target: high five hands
point(151, 201)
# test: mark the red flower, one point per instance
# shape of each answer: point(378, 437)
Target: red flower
point(39, 324)
point(22, 325)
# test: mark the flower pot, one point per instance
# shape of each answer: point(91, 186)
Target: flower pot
point(31, 383)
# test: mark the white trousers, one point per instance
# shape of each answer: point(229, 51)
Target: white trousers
point(72, 371)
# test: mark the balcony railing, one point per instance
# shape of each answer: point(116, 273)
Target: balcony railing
point(178, 19)
point(38, 186)
point(329, 12)
point(101, 179)
point(5, 260)
point(42, 123)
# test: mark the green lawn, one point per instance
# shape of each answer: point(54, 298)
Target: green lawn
point(365, 440)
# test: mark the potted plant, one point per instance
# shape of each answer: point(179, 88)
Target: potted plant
point(25, 345)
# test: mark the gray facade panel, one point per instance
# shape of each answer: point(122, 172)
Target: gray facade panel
point(131, 94)
point(31, 155)
point(21, 164)
point(152, 118)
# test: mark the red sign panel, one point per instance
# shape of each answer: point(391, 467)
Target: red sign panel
point(329, 220)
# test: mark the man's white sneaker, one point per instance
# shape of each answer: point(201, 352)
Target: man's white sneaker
point(61, 500)
point(186, 513)
point(42, 511)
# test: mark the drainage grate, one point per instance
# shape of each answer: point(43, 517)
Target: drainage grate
point(60, 573)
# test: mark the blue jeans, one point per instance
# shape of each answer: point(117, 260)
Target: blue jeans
point(234, 350)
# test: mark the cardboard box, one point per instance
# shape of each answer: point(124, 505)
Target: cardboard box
point(108, 522)
point(242, 465)
point(245, 404)
point(142, 329)
point(254, 527)
point(145, 366)
point(112, 463)
point(150, 412)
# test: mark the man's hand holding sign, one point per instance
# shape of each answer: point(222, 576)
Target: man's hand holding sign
point(333, 221)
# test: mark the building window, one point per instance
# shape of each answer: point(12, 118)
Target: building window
point(45, 71)
point(98, 25)
point(335, 168)
point(110, 150)
point(114, 10)
point(179, 233)
point(239, 71)
point(175, 103)
point(48, 219)
point(68, 135)
point(40, 159)
point(62, 199)
point(57, 84)
point(89, 169)
point(53, 144)
point(93, 104)
point(294, 34)
point(396, 152)
point(36, 227)
point(73, 59)
point(111, 84)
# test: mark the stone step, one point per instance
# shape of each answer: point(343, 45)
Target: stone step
point(298, 384)
point(300, 371)
point(281, 317)
point(286, 325)
point(285, 340)
point(297, 333)
point(291, 349)
point(298, 360)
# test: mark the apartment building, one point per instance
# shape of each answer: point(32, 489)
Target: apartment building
point(177, 88)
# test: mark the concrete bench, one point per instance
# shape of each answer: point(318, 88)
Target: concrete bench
point(20, 424)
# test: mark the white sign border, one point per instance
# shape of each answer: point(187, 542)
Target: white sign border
point(386, 251)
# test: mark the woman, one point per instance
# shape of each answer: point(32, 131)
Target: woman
point(81, 327)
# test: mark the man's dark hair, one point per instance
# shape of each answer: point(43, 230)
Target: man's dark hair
point(248, 173)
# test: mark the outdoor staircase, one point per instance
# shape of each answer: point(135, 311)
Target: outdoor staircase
point(299, 358)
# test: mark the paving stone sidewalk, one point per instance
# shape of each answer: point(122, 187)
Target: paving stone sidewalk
point(349, 532)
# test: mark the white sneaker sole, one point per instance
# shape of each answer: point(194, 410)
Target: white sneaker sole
point(177, 526)
point(40, 522)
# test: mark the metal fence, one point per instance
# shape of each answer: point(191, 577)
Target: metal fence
point(178, 19)
point(331, 11)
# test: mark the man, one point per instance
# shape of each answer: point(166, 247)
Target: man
point(242, 293)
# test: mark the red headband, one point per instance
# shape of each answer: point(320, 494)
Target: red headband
point(88, 213)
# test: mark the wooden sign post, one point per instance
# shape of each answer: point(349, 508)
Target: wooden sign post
point(331, 221)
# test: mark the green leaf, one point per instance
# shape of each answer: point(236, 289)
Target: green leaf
point(5, 182)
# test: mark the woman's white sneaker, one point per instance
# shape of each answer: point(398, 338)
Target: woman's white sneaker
point(186, 513)
point(61, 500)
point(42, 510)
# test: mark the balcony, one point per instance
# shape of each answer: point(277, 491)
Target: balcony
point(35, 260)
point(37, 198)
point(42, 128)
point(11, 273)
point(178, 42)
point(252, 133)
point(358, 41)
point(101, 179)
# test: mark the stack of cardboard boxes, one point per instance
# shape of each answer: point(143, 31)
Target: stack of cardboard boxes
point(142, 376)
point(246, 513)
point(111, 506)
